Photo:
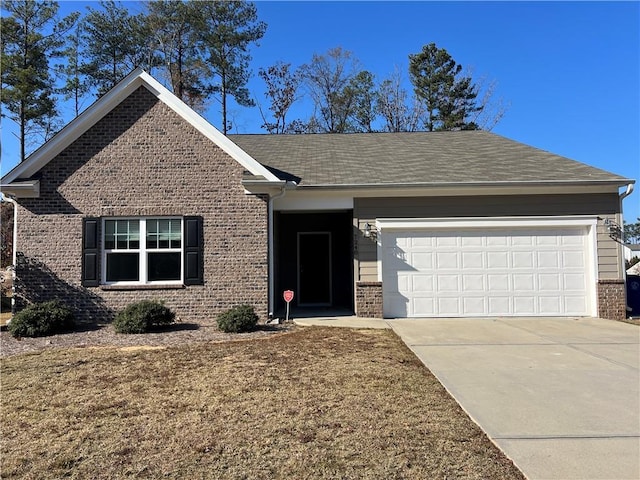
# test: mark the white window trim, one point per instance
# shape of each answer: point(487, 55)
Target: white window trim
point(142, 252)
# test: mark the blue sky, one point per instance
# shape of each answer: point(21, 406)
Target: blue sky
point(570, 71)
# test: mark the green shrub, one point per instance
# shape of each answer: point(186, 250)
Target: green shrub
point(238, 319)
point(140, 317)
point(42, 319)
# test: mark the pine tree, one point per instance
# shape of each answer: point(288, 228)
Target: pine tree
point(174, 28)
point(449, 96)
point(116, 43)
point(31, 35)
point(229, 28)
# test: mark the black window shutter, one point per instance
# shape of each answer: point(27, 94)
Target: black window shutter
point(193, 261)
point(90, 257)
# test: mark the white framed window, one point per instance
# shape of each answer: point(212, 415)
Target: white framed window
point(144, 250)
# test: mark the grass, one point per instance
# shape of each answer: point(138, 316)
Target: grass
point(314, 403)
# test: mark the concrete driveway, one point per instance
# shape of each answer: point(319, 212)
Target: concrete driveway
point(560, 396)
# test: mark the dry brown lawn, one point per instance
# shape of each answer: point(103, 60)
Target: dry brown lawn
point(313, 403)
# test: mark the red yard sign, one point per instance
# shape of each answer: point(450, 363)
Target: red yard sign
point(288, 295)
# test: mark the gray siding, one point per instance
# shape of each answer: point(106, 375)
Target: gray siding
point(605, 205)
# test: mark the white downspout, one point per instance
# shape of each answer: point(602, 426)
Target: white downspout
point(272, 285)
point(8, 198)
point(626, 193)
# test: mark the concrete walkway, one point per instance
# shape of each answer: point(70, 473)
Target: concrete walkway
point(560, 396)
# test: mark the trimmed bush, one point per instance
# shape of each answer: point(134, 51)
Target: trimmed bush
point(141, 317)
point(42, 319)
point(238, 319)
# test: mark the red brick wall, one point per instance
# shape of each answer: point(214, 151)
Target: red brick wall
point(369, 299)
point(612, 299)
point(142, 159)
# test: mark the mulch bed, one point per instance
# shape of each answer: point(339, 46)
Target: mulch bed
point(105, 336)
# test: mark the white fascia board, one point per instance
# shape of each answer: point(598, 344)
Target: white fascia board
point(78, 126)
point(486, 222)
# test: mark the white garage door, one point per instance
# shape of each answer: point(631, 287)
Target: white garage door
point(486, 272)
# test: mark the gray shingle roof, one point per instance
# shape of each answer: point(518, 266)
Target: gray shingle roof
point(413, 158)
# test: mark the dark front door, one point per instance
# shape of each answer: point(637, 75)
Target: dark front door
point(314, 268)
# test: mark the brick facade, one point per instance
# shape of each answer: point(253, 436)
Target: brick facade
point(369, 299)
point(142, 159)
point(612, 299)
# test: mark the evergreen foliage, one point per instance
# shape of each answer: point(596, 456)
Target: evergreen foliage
point(449, 96)
point(200, 49)
point(31, 35)
point(228, 30)
point(141, 317)
point(241, 318)
point(42, 319)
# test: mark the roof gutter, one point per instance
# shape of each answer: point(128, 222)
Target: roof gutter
point(506, 183)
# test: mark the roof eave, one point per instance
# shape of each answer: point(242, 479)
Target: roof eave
point(263, 187)
point(24, 189)
point(466, 185)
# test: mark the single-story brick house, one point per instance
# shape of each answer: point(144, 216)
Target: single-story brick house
point(140, 197)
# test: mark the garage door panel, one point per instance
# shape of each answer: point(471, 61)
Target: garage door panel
point(447, 283)
point(499, 305)
point(549, 305)
point(498, 282)
point(474, 306)
point(573, 260)
point(574, 282)
point(473, 260)
point(522, 260)
point(446, 241)
point(477, 272)
point(449, 306)
point(471, 241)
point(446, 260)
point(423, 306)
point(521, 240)
point(524, 305)
point(549, 282)
point(497, 260)
point(420, 260)
point(473, 283)
point(523, 282)
point(574, 303)
point(422, 283)
point(548, 260)
point(497, 241)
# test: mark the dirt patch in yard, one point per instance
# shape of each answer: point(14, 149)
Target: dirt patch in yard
point(313, 403)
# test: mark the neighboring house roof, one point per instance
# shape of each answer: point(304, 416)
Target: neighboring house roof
point(72, 131)
point(460, 157)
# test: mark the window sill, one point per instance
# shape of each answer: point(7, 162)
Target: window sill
point(143, 287)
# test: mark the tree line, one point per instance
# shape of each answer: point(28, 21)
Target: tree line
point(200, 50)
